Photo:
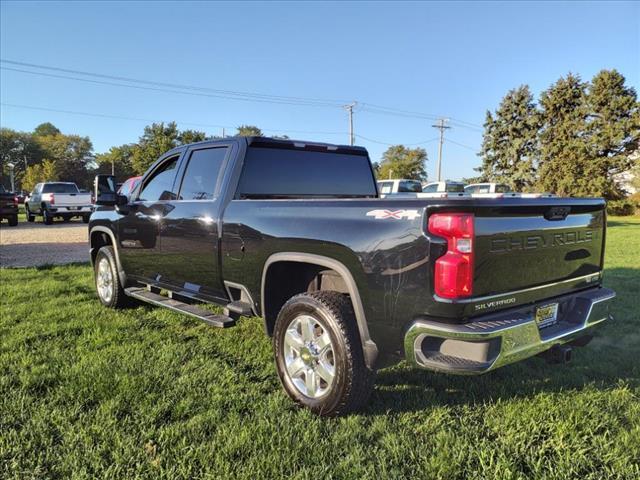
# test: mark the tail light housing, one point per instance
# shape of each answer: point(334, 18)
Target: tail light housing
point(15, 200)
point(52, 199)
point(453, 276)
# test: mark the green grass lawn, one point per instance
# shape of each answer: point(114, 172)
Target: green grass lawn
point(87, 392)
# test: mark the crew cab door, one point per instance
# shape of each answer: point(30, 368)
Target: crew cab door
point(139, 226)
point(190, 230)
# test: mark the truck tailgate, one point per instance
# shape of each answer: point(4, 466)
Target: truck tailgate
point(520, 246)
point(72, 199)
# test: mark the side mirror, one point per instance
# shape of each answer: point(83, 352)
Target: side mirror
point(105, 190)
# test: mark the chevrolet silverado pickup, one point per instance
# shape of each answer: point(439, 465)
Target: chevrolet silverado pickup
point(58, 199)
point(347, 282)
point(8, 206)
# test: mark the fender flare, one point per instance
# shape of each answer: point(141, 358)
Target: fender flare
point(114, 244)
point(369, 348)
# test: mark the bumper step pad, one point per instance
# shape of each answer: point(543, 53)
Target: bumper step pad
point(210, 318)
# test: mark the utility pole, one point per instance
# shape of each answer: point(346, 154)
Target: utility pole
point(442, 127)
point(223, 133)
point(349, 108)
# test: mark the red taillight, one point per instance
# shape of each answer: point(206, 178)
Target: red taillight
point(15, 200)
point(453, 276)
point(52, 200)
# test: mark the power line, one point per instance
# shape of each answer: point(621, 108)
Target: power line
point(224, 93)
point(220, 93)
point(460, 144)
point(411, 114)
point(157, 89)
point(138, 119)
point(196, 124)
point(397, 143)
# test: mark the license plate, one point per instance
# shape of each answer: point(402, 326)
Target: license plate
point(547, 315)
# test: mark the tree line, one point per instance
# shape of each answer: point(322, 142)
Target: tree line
point(573, 141)
point(47, 154)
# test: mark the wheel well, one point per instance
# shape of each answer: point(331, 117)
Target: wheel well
point(285, 279)
point(97, 241)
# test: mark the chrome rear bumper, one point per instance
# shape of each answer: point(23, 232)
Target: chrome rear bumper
point(499, 339)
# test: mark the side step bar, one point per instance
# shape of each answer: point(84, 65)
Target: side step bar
point(215, 320)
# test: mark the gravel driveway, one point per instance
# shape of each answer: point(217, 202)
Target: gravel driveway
point(35, 244)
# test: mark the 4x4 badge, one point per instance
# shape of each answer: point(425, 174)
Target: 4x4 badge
point(397, 214)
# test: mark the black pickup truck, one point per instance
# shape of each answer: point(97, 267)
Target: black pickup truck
point(346, 282)
point(8, 206)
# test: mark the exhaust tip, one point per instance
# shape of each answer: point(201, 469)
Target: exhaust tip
point(558, 354)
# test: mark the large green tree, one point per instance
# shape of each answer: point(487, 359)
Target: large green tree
point(248, 131)
point(399, 161)
point(510, 143)
point(564, 147)
point(46, 129)
point(589, 131)
point(22, 150)
point(118, 160)
point(157, 139)
point(72, 156)
point(613, 130)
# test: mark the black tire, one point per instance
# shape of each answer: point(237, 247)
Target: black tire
point(30, 216)
point(117, 298)
point(353, 380)
point(47, 218)
point(13, 221)
point(85, 218)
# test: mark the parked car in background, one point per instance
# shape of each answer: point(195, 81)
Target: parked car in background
point(58, 199)
point(8, 207)
point(129, 186)
point(500, 190)
point(490, 190)
point(442, 190)
point(401, 186)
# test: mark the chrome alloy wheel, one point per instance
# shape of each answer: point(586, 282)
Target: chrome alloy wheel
point(104, 280)
point(309, 356)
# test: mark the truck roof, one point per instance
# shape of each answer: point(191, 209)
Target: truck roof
point(268, 142)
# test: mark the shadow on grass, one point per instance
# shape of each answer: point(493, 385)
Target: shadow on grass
point(610, 360)
point(618, 223)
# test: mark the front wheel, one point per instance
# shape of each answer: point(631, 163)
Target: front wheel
point(318, 354)
point(30, 216)
point(108, 286)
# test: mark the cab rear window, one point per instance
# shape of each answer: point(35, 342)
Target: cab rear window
point(59, 188)
point(286, 173)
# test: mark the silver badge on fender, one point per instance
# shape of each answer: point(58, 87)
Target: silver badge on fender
point(396, 214)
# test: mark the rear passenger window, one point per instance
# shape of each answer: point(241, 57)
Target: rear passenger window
point(201, 178)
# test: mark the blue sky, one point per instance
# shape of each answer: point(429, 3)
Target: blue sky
point(451, 59)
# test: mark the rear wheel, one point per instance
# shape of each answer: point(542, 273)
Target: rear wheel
point(13, 220)
point(85, 218)
point(319, 356)
point(108, 286)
